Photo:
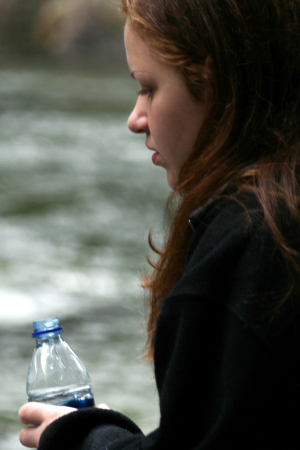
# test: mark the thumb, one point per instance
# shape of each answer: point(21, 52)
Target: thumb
point(102, 406)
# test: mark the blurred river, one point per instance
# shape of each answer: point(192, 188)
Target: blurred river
point(78, 195)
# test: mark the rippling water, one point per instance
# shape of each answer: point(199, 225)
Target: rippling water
point(78, 195)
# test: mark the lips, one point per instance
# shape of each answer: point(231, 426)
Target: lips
point(155, 155)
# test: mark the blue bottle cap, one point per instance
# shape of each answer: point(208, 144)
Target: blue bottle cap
point(46, 326)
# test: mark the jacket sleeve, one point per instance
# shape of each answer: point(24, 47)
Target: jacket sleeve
point(88, 429)
point(226, 376)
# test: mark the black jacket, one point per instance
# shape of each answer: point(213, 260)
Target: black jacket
point(227, 371)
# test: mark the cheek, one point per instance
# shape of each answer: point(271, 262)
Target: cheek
point(174, 123)
point(164, 134)
point(165, 124)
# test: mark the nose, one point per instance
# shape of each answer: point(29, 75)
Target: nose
point(138, 119)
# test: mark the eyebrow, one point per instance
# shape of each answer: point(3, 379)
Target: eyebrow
point(139, 71)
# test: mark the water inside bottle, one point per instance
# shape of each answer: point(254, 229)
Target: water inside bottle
point(80, 403)
point(78, 400)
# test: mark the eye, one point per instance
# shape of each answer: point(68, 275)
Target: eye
point(145, 92)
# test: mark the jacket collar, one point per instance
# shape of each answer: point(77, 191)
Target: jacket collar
point(196, 216)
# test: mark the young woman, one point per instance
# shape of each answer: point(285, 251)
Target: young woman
point(220, 107)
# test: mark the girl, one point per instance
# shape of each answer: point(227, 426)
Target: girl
point(220, 107)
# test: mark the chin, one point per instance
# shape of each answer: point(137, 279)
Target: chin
point(172, 180)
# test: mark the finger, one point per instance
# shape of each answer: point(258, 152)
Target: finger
point(29, 413)
point(30, 436)
point(39, 414)
point(36, 413)
point(103, 406)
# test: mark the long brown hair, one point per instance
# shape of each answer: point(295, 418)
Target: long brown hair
point(252, 81)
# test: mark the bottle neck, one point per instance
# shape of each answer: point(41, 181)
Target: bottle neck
point(48, 339)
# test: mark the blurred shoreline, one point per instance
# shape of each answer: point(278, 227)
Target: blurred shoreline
point(78, 194)
point(61, 33)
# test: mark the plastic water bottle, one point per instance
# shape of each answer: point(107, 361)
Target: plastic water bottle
point(56, 375)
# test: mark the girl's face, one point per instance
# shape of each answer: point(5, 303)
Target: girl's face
point(165, 109)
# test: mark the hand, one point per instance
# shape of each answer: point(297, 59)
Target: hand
point(41, 415)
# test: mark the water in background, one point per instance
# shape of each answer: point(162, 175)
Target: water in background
point(78, 195)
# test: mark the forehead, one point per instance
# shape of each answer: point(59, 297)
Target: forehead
point(136, 48)
point(141, 58)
